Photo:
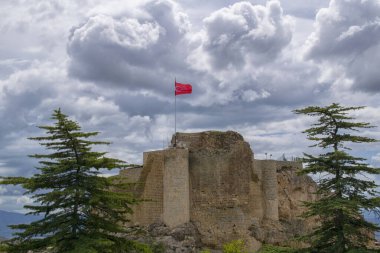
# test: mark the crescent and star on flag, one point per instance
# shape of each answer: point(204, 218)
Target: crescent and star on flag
point(182, 88)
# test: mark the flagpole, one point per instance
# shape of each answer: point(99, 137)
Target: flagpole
point(175, 115)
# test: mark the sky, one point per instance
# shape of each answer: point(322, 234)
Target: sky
point(111, 65)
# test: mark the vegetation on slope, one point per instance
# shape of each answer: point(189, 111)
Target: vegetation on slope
point(82, 211)
point(344, 187)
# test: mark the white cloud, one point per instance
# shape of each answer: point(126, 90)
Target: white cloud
point(132, 53)
point(244, 33)
point(111, 67)
point(251, 95)
point(2, 190)
point(347, 35)
point(345, 28)
point(127, 33)
point(376, 158)
point(24, 200)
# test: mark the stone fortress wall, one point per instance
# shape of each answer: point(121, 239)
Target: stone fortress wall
point(213, 180)
point(163, 184)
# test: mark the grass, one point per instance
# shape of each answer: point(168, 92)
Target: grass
point(276, 249)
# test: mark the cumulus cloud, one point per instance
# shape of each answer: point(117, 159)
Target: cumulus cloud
point(130, 52)
point(242, 50)
point(147, 50)
point(348, 34)
point(251, 95)
point(36, 29)
point(20, 94)
point(111, 66)
point(245, 33)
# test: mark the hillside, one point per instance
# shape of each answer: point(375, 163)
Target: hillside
point(9, 218)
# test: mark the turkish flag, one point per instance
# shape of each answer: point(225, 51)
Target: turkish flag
point(181, 88)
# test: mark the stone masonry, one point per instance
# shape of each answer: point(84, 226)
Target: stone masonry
point(163, 184)
point(212, 180)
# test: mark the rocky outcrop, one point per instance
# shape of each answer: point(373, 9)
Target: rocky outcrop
point(212, 181)
point(181, 239)
point(292, 190)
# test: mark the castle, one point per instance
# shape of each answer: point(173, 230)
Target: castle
point(212, 180)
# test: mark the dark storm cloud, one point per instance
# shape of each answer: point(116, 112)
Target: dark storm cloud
point(348, 35)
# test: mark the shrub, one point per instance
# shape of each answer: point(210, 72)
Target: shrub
point(145, 248)
point(158, 248)
point(3, 248)
point(236, 246)
point(276, 249)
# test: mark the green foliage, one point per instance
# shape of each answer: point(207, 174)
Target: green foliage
point(142, 248)
point(138, 247)
point(344, 189)
point(363, 251)
point(158, 247)
point(82, 211)
point(276, 249)
point(236, 246)
point(3, 247)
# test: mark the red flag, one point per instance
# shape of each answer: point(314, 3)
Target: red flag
point(181, 88)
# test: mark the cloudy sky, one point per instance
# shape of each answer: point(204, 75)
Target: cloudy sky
point(111, 65)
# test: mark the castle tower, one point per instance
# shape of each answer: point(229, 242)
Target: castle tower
point(269, 188)
point(164, 187)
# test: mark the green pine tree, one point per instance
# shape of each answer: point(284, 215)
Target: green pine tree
point(344, 190)
point(82, 211)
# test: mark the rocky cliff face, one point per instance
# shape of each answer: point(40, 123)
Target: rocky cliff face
point(292, 190)
point(231, 195)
